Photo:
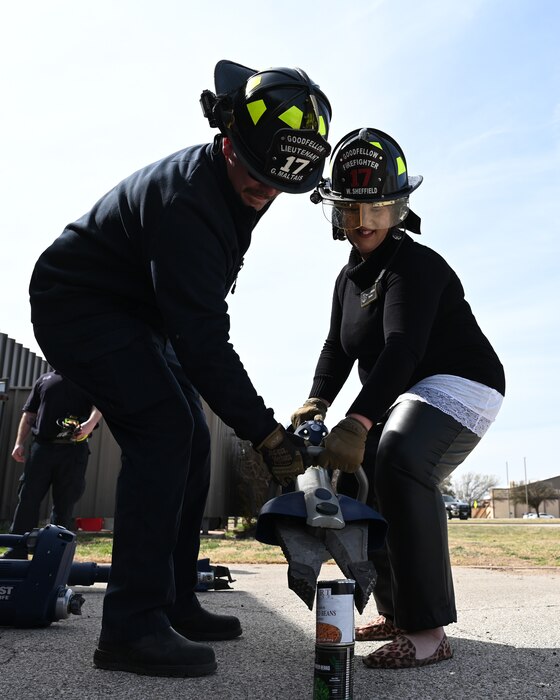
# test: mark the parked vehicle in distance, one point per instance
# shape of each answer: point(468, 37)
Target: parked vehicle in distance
point(456, 508)
point(530, 516)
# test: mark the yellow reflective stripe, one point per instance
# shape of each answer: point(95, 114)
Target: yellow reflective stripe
point(293, 117)
point(252, 83)
point(376, 143)
point(322, 126)
point(256, 110)
point(401, 167)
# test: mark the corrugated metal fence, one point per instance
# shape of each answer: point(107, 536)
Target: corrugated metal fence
point(22, 367)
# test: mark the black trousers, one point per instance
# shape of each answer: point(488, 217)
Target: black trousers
point(407, 457)
point(62, 467)
point(156, 417)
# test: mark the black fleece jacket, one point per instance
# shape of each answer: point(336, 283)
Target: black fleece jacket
point(161, 249)
point(420, 325)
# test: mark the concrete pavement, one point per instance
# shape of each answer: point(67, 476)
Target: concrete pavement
point(506, 643)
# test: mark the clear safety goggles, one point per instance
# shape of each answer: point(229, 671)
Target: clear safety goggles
point(370, 215)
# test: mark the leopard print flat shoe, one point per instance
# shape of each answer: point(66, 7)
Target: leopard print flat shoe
point(401, 653)
point(378, 630)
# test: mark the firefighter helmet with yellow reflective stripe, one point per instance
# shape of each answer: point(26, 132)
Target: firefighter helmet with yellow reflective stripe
point(368, 165)
point(369, 185)
point(277, 120)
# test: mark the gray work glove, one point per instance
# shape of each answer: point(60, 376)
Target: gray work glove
point(284, 454)
point(309, 411)
point(344, 446)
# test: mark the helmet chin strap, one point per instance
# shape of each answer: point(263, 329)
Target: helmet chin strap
point(338, 234)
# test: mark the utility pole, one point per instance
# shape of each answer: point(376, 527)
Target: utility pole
point(507, 481)
point(526, 488)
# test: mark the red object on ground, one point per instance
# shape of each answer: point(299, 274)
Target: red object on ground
point(89, 524)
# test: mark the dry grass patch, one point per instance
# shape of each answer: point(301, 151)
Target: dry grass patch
point(491, 544)
point(510, 546)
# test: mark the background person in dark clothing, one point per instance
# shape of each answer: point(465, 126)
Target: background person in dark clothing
point(431, 386)
point(130, 303)
point(60, 417)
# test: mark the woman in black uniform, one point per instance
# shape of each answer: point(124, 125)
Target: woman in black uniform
point(431, 386)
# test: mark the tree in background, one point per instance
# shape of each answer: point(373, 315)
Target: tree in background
point(473, 487)
point(446, 487)
point(533, 494)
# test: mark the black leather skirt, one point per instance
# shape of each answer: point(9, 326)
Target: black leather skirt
point(407, 457)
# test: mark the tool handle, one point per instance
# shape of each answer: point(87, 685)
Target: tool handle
point(88, 573)
point(11, 540)
point(363, 483)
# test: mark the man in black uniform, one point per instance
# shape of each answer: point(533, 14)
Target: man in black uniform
point(129, 302)
point(60, 417)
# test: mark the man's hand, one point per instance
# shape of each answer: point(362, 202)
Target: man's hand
point(18, 453)
point(344, 446)
point(283, 454)
point(85, 429)
point(309, 411)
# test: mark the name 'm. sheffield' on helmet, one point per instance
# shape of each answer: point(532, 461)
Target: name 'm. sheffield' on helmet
point(277, 120)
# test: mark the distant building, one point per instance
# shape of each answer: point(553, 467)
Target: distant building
point(501, 504)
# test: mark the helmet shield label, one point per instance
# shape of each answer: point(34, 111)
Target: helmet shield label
point(362, 169)
point(294, 155)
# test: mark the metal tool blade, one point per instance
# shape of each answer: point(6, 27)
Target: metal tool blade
point(348, 548)
point(305, 553)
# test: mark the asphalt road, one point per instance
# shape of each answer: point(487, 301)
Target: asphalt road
point(506, 643)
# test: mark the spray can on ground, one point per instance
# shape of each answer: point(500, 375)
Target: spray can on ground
point(334, 640)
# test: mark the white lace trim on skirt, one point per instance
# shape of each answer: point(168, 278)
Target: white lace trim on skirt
point(473, 405)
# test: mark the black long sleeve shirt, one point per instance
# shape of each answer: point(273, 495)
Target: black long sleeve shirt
point(162, 248)
point(421, 325)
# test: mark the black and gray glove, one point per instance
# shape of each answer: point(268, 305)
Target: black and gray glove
point(284, 454)
point(344, 446)
point(309, 411)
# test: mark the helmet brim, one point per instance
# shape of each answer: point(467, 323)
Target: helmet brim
point(325, 191)
point(230, 76)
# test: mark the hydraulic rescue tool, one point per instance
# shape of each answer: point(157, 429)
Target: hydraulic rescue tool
point(211, 576)
point(35, 593)
point(314, 524)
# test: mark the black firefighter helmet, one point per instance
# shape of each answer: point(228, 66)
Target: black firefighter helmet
point(278, 122)
point(368, 173)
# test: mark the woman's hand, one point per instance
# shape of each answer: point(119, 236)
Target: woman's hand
point(345, 445)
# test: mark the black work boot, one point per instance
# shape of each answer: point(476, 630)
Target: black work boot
point(199, 625)
point(161, 653)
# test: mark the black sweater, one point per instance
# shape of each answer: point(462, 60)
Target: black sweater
point(162, 248)
point(421, 325)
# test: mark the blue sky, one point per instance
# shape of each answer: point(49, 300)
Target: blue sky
point(92, 91)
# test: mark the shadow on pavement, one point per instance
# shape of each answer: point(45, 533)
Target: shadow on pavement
point(273, 659)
